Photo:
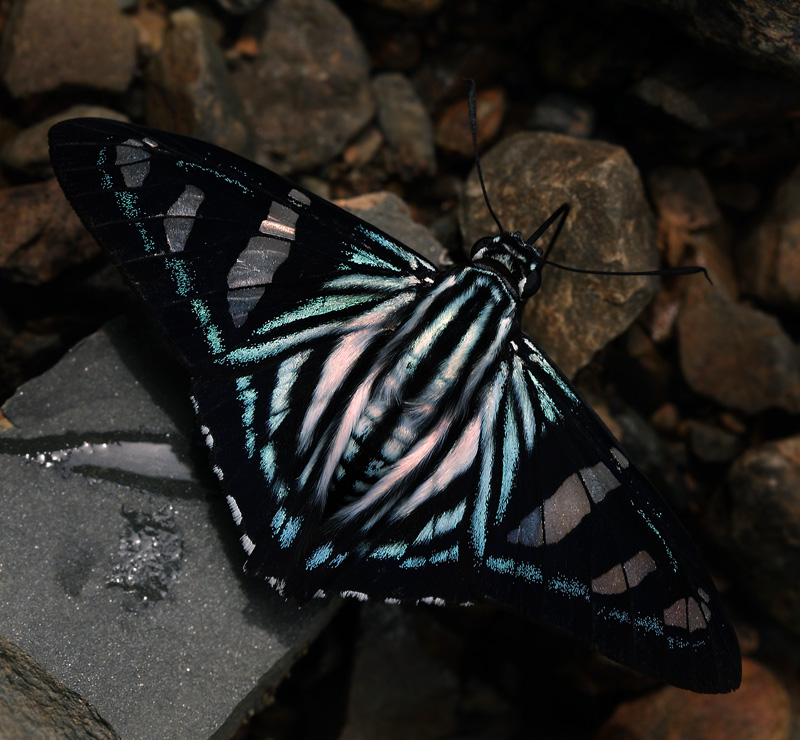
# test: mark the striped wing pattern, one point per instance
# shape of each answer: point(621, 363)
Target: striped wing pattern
point(383, 429)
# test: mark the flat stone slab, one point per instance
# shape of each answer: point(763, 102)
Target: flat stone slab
point(120, 567)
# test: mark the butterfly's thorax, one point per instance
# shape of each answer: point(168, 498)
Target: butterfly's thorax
point(425, 381)
point(515, 261)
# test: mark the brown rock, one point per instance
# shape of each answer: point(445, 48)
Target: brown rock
point(51, 43)
point(735, 354)
point(769, 262)
point(764, 531)
point(453, 130)
point(33, 704)
point(759, 709)
point(307, 93)
point(40, 234)
point(528, 176)
point(28, 151)
point(690, 226)
point(189, 88)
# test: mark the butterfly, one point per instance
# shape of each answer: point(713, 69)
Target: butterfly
point(382, 428)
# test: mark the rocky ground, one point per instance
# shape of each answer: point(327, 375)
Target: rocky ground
point(672, 131)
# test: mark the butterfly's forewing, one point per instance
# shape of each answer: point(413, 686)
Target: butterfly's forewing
point(381, 429)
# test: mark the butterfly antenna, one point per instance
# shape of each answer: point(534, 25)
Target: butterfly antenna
point(560, 215)
point(473, 122)
point(664, 272)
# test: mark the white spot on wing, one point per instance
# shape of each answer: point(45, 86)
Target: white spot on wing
point(248, 544)
point(234, 507)
point(180, 217)
point(598, 481)
point(300, 198)
point(693, 618)
point(628, 575)
point(620, 458)
point(134, 163)
point(280, 222)
point(563, 511)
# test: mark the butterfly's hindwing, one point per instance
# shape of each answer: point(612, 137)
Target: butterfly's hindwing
point(382, 429)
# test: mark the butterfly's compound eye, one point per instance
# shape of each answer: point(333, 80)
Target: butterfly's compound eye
point(530, 283)
point(480, 248)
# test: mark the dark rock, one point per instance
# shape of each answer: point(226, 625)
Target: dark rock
point(409, 7)
point(761, 32)
point(95, 456)
point(28, 153)
point(764, 531)
point(240, 7)
point(761, 709)
point(40, 234)
point(769, 261)
point(735, 354)
point(89, 43)
point(406, 125)
point(712, 444)
point(404, 684)
point(189, 88)
point(307, 93)
point(390, 214)
point(563, 114)
point(528, 176)
point(707, 95)
point(454, 131)
point(33, 704)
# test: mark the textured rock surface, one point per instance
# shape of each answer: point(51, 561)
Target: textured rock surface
point(88, 42)
point(121, 567)
point(307, 92)
point(528, 176)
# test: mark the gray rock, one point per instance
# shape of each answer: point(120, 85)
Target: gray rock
point(307, 93)
point(87, 43)
point(189, 88)
point(406, 123)
point(528, 176)
point(121, 567)
point(390, 214)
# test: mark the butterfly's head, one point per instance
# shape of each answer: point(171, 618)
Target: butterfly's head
point(515, 260)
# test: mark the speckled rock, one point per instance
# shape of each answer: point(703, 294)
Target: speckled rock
point(610, 227)
point(35, 705)
point(763, 32)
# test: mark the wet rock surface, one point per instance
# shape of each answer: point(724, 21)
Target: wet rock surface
point(122, 583)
